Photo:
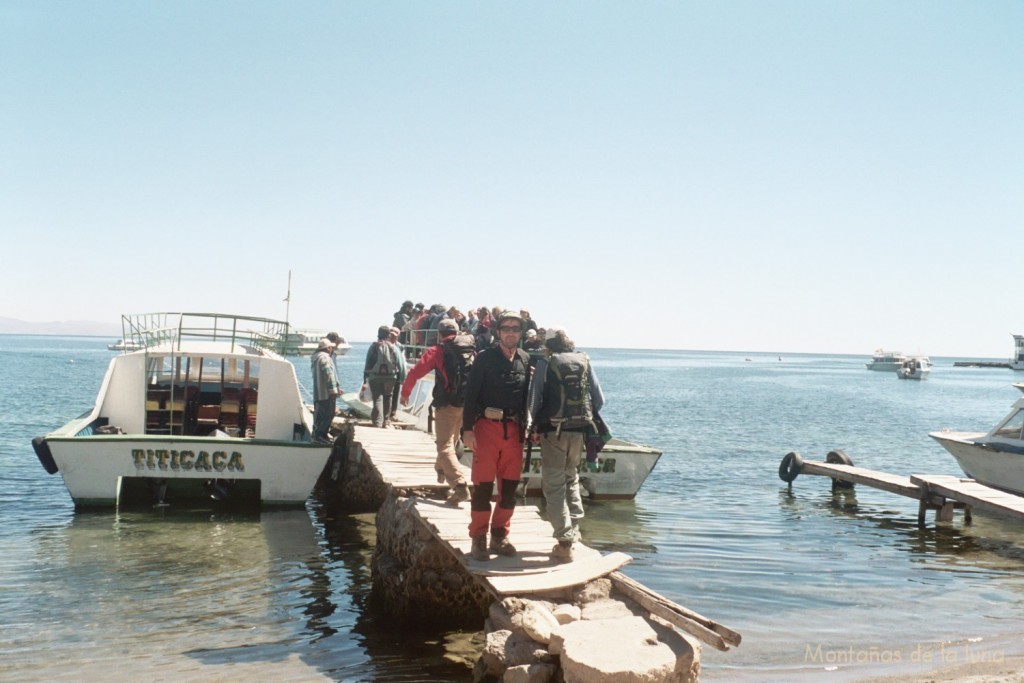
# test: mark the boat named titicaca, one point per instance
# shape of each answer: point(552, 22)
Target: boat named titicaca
point(205, 409)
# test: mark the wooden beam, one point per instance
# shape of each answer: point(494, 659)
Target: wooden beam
point(697, 625)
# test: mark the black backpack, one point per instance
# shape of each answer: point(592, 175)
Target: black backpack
point(569, 386)
point(459, 354)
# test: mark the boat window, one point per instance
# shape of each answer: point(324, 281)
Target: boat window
point(1013, 428)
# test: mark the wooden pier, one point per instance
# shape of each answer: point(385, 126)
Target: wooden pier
point(404, 458)
point(942, 493)
point(980, 364)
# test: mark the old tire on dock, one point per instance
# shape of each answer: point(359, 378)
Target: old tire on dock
point(42, 450)
point(838, 457)
point(790, 467)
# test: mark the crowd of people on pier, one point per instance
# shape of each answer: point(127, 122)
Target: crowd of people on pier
point(500, 383)
point(418, 325)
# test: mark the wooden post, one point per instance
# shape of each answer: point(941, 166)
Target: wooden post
point(945, 512)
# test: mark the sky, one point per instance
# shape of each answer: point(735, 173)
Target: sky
point(787, 176)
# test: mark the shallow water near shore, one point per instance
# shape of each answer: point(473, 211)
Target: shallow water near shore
point(822, 586)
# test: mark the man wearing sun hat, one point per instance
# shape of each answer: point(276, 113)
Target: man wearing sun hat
point(326, 390)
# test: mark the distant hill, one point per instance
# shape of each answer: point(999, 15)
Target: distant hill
point(72, 328)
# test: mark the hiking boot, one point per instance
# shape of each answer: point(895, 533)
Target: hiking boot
point(501, 546)
point(479, 551)
point(562, 552)
point(458, 495)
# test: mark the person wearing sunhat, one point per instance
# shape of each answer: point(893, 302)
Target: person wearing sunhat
point(493, 428)
point(326, 390)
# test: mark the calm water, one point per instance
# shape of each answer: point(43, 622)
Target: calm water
point(807, 577)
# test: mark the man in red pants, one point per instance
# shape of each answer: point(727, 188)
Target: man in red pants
point(493, 427)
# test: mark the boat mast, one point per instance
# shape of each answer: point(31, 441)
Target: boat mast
point(288, 303)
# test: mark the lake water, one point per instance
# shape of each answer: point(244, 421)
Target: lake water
point(822, 586)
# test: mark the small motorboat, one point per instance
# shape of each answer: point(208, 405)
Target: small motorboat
point(124, 345)
point(913, 368)
point(994, 458)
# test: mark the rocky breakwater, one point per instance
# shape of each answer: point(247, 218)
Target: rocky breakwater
point(592, 635)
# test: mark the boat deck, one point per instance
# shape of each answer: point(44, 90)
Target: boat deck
point(939, 492)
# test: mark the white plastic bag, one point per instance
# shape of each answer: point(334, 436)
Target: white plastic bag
point(364, 394)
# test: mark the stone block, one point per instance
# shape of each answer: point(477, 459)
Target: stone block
point(606, 609)
point(566, 613)
point(538, 622)
point(530, 673)
point(626, 650)
point(599, 589)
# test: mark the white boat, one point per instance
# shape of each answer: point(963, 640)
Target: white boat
point(124, 345)
point(891, 361)
point(994, 458)
point(1017, 362)
point(306, 342)
point(913, 368)
point(619, 472)
point(178, 419)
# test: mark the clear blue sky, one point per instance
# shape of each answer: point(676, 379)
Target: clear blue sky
point(763, 176)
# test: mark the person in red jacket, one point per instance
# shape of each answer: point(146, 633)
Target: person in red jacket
point(450, 359)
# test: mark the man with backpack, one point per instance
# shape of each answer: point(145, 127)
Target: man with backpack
point(564, 399)
point(493, 428)
point(450, 359)
point(383, 368)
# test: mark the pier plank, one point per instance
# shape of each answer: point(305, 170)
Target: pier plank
point(969, 491)
point(893, 483)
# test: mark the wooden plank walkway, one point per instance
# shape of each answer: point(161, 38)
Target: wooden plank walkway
point(893, 483)
point(970, 492)
point(934, 491)
point(405, 460)
point(404, 457)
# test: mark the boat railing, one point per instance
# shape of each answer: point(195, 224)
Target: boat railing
point(151, 329)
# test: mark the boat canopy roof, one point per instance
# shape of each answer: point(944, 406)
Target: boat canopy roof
point(198, 333)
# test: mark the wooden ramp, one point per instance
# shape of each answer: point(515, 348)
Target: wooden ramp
point(404, 457)
point(405, 460)
point(970, 492)
point(532, 570)
point(893, 483)
point(934, 491)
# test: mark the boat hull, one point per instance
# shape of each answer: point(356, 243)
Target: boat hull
point(96, 468)
point(618, 474)
point(884, 366)
point(996, 467)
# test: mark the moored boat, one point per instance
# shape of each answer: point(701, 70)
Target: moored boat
point(305, 343)
point(913, 368)
point(178, 419)
point(994, 458)
point(124, 345)
point(892, 361)
point(1017, 362)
